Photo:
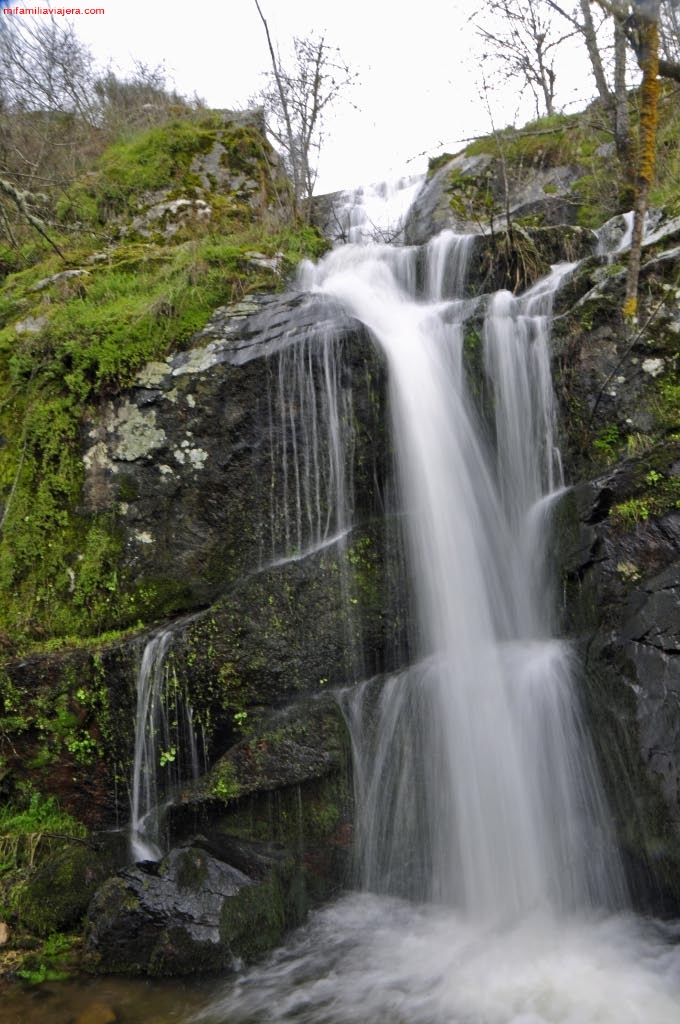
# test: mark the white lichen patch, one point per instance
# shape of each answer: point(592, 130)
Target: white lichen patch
point(136, 433)
point(97, 458)
point(195, 457)
point(191, 401)
point(653, 366)
point(199, 360)
point(165, 470)
point(31, 325)
point(151, 375)
point(143, 537)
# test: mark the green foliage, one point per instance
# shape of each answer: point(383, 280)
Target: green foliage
point(224, 782)
point(48, 963)
point(23, 828)
point(665, 189)
point(91, 332)
point(608, 443)
point(667, 404)
point(559, 140)
point(630, 512)
point(435, 162)
point(658, 494)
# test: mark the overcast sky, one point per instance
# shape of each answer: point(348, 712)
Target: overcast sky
point(419, 83)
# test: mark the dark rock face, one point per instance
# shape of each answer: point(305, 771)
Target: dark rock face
point(264, 834)
point(192, 459)
point(620, 531)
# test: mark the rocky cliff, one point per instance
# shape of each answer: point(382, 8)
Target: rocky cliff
point(232, 486)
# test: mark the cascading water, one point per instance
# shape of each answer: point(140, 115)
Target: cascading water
point(501, 812)
point(373, 212)
point(492, 890)
point(166, 747)
point(311, 437)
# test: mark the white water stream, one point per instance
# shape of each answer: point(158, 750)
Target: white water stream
point(492, 890)
point(166, 747)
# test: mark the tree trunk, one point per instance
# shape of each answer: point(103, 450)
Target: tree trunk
point(649, 109)
point(624, 148)
point(588, 31)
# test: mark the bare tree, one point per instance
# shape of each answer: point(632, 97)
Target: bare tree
point(296, 100)
point(47, 117)
point(45, 66)
point(522, 37)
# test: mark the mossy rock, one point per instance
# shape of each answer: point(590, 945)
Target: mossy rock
point(57, 893)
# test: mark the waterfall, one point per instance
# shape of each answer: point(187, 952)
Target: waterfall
point(490, 888)
point(496, 807)
point(166, 746)
point(373, 212)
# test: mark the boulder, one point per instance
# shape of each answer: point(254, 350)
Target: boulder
point(190, 913)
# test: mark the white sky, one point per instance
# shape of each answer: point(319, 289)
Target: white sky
point(418, 88)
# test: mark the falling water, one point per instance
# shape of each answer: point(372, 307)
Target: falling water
point(311, 420)
point(501, 813)
point(373, 212)
point(166, 747)
point(492, 889)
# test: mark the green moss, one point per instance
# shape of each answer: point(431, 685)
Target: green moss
point(252, 921)
point(607, 444)
point(471, 196)
point(58, 891)
point(192, 870)
point(52, 961)
point(224, 783)
point(154, 159)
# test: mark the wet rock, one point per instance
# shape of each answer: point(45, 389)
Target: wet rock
point(191, 913)
point(190, 458)
point(304, 742)
point(469, 193)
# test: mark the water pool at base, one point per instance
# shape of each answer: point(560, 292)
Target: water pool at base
point(376, 960)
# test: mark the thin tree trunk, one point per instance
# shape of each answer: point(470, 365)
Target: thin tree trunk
point(588, 31)
point(649, 110)
point(624, 148)
point(284, 108)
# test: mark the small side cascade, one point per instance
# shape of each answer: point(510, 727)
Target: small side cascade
point(446, 267)
point(166, 746)
point(311, 424)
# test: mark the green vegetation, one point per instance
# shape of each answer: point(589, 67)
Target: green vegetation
point(52, 962)
point(608, 443)
point(224, 782)
point(582, 141)
point(138, 278)
point(24, 828)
